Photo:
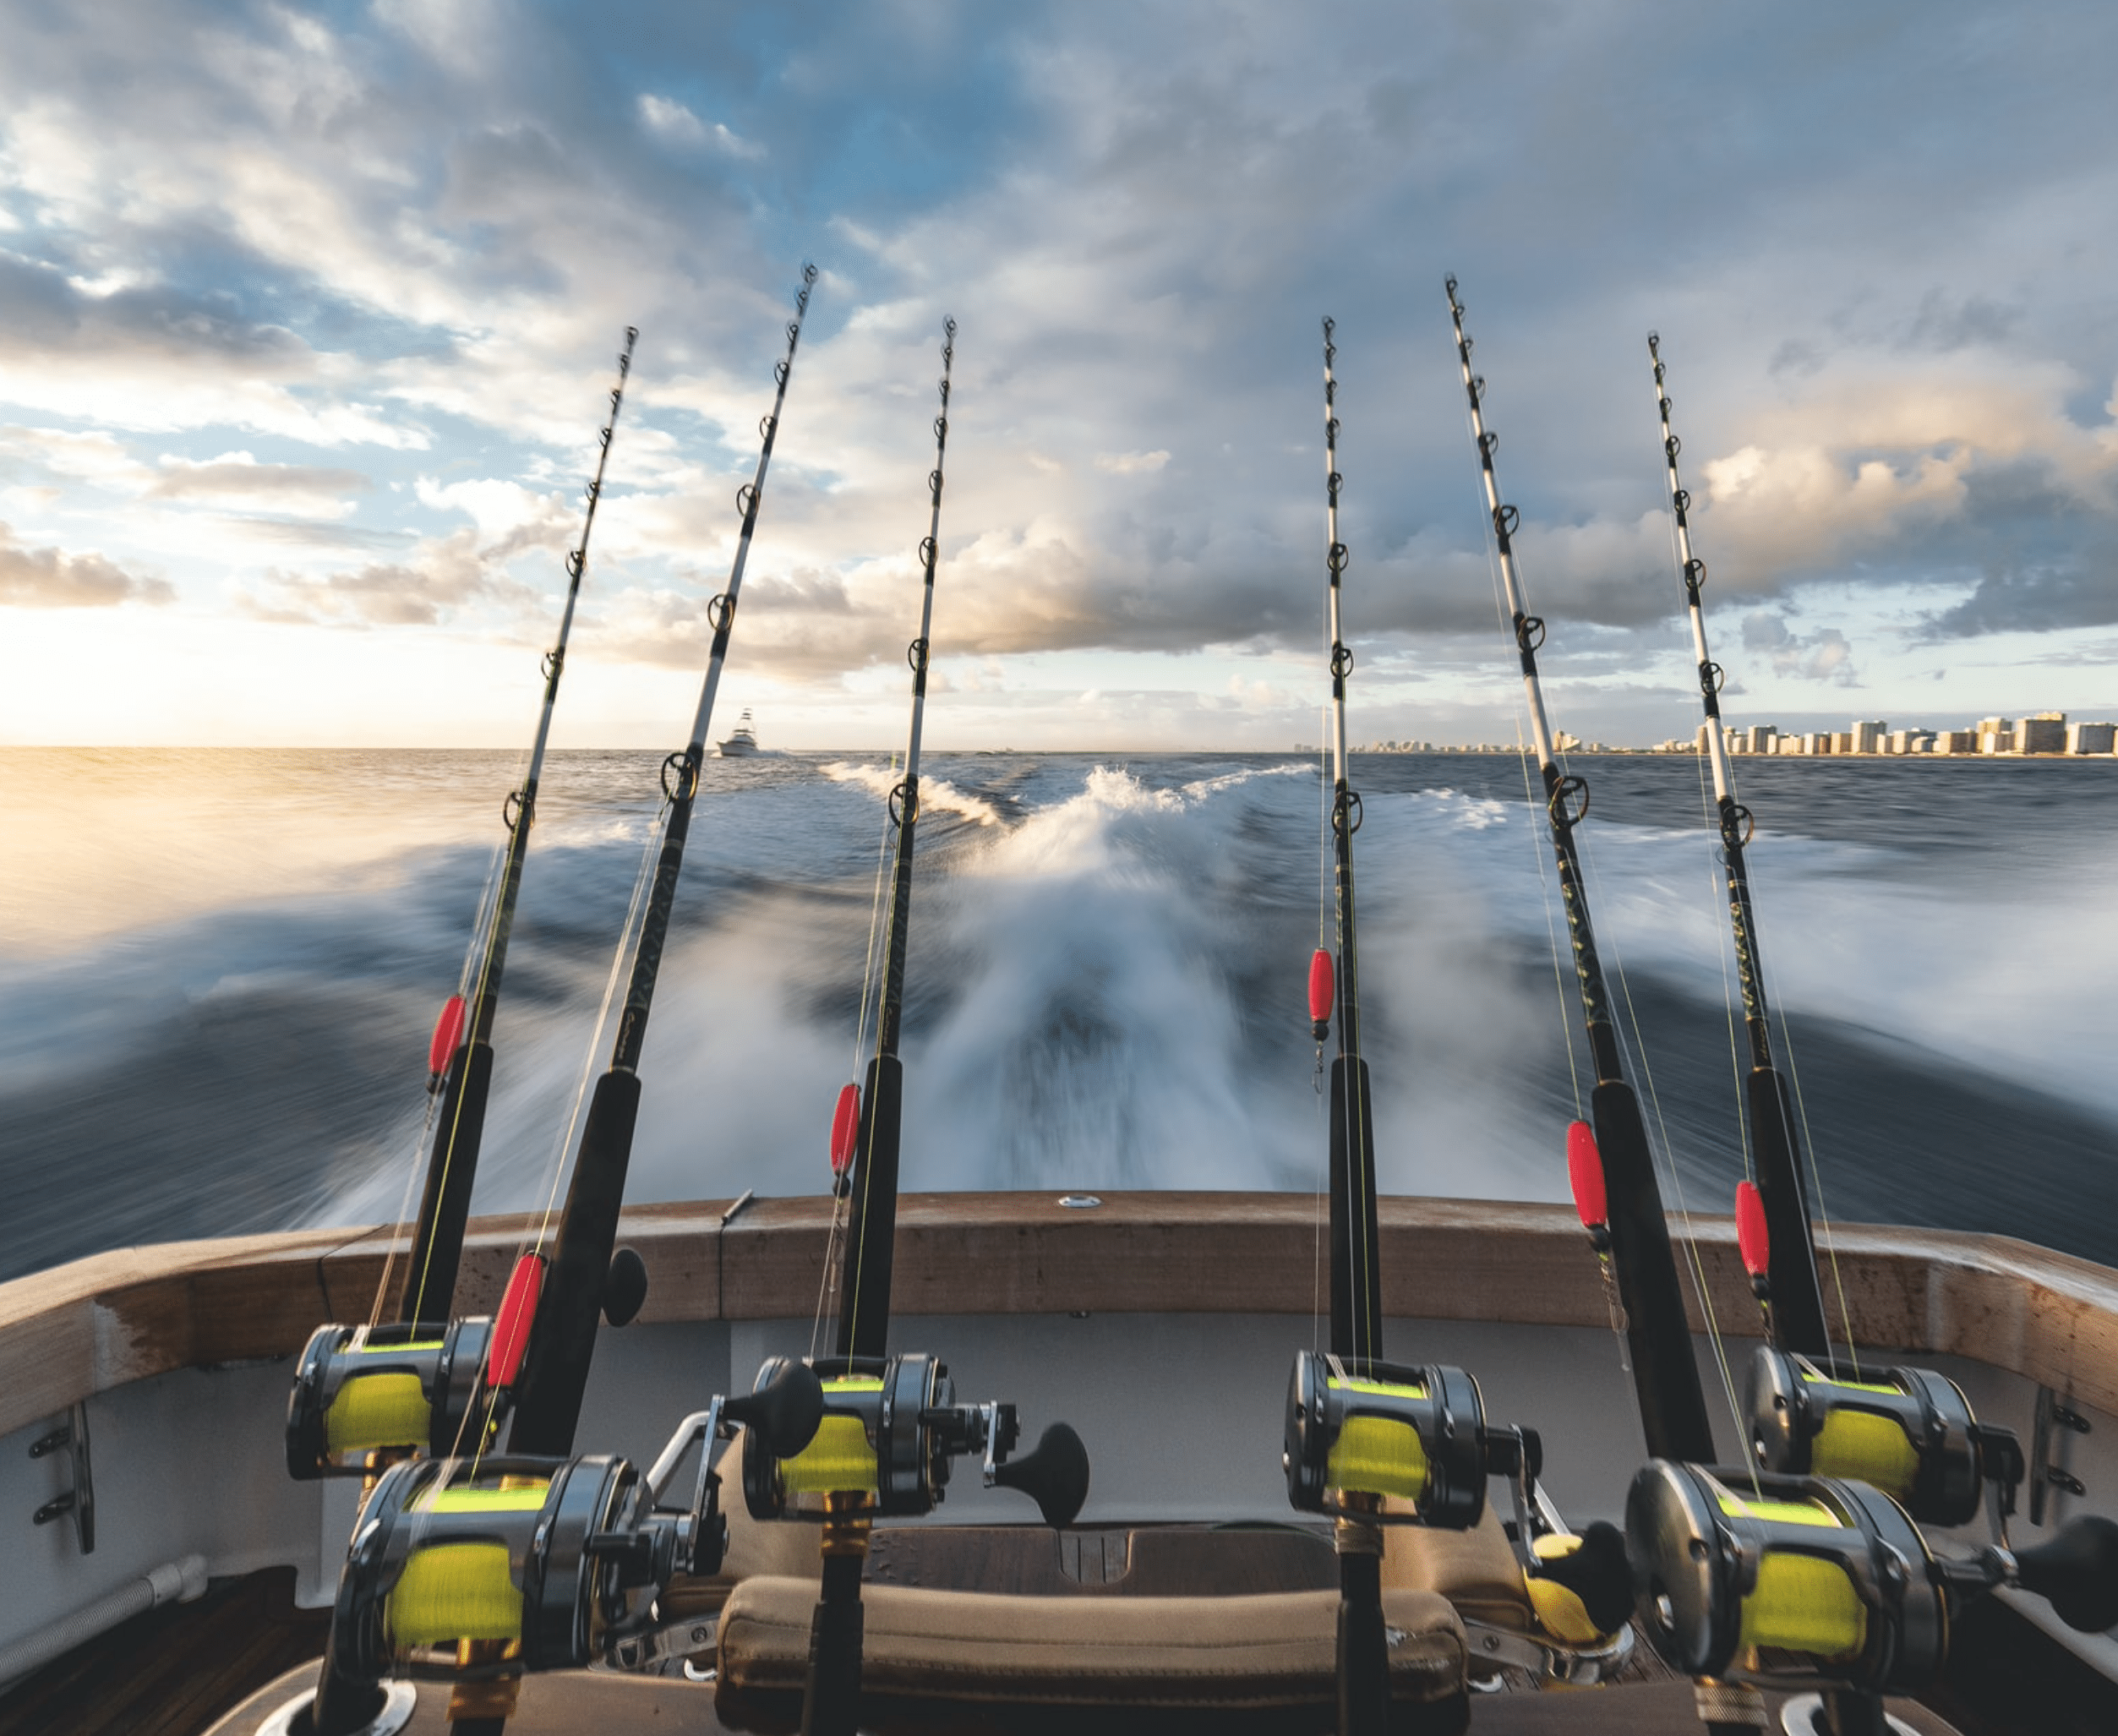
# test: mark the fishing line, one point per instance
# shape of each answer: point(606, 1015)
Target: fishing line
point(627, 948)
point(461, 1055)
point(1567, 1037)
point(1823, 1213)
point(1665, 1154)
point(1795, 1313)
point(827, 1279)
point(1727, 984)
point(871, 1180)
point(1624, 1187)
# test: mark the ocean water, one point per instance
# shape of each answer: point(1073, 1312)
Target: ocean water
point(219, 970)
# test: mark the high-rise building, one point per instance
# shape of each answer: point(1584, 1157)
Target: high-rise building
point(2091, 738)
point(1762, 736)
point(2045, 733)
point(1868, 738)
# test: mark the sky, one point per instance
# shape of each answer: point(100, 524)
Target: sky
point(309, 314)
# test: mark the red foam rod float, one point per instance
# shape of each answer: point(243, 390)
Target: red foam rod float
point(448, 1032)
point(1585, 1172)
point(511, 1326)
point(1753, 1241)
point(845, 1126)
point(1323, 990)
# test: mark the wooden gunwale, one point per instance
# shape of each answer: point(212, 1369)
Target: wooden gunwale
point(99, 1323)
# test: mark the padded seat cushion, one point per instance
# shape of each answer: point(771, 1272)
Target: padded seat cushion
point(1475, 1570)
point(1161, 1657)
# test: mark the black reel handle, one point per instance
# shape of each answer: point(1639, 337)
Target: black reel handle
point(785, 1413)
point(2077, 1573)
point(1054, 1474)
point(1598, 1573)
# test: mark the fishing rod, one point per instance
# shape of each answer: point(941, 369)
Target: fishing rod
point(362, 1393)
point(1796, 1309)
point(1357, 1292)
point(890, 1424)
point(583, 1279)
point(462, 1055)
point(1672, 1407)
point(872, 1175)
point(545, 1334)
point(1360, 1430)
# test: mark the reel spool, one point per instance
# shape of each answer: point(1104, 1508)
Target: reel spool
point(393, 1390)
point(888, 1430)
point(1812, 1579)
point(535, 1557)
point(364, 1394)
point(542, 1563)
point(1416, 1433)
point(1909, 1431)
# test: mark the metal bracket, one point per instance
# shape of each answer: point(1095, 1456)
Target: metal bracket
point(80, 1499)
point(1576, 1667)
point(659, 1651)
point(2055, 1420)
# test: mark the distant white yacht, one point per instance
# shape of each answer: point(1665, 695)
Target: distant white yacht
point(742, 744)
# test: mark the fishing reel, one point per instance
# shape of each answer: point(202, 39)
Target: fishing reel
point(1827, 1581)
point(360, 1390)
point(888, 1432)
point(366, 1393)
point(1420, 1434)
point(541, 1564)
point(1417, 1432)
point(1909, 1431)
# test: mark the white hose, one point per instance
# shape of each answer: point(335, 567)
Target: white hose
point(173, 1581)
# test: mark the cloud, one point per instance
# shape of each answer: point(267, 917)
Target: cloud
point(50, 578)
point(441, 577)
point(672, 121)
point(419, 230)
point(304, 490)
point(1823, 656)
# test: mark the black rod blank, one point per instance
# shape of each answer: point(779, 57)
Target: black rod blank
point(1673, 1407)
point(1798, 1295)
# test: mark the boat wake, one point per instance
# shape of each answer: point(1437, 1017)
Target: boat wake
point(1107, 992)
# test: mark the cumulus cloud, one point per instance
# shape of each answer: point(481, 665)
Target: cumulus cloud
point(439, 578)
point(419, 229)
point(50, 578)
point(236, 478)
point(1823, 655)
point(671, 120)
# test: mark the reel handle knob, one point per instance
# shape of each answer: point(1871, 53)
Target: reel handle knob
point(785, 1413)
point(1054, 1474)
point(2077, 1573)
point(1599, 1573)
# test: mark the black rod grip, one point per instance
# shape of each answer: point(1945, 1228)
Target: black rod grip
point(831, 1697)
point(1356, 1283)
point(872, 1224)
point(1364, 1655)
point(444, 1206)
point(1673, 1407)
point(563, 1340)
point(1798, 1295)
